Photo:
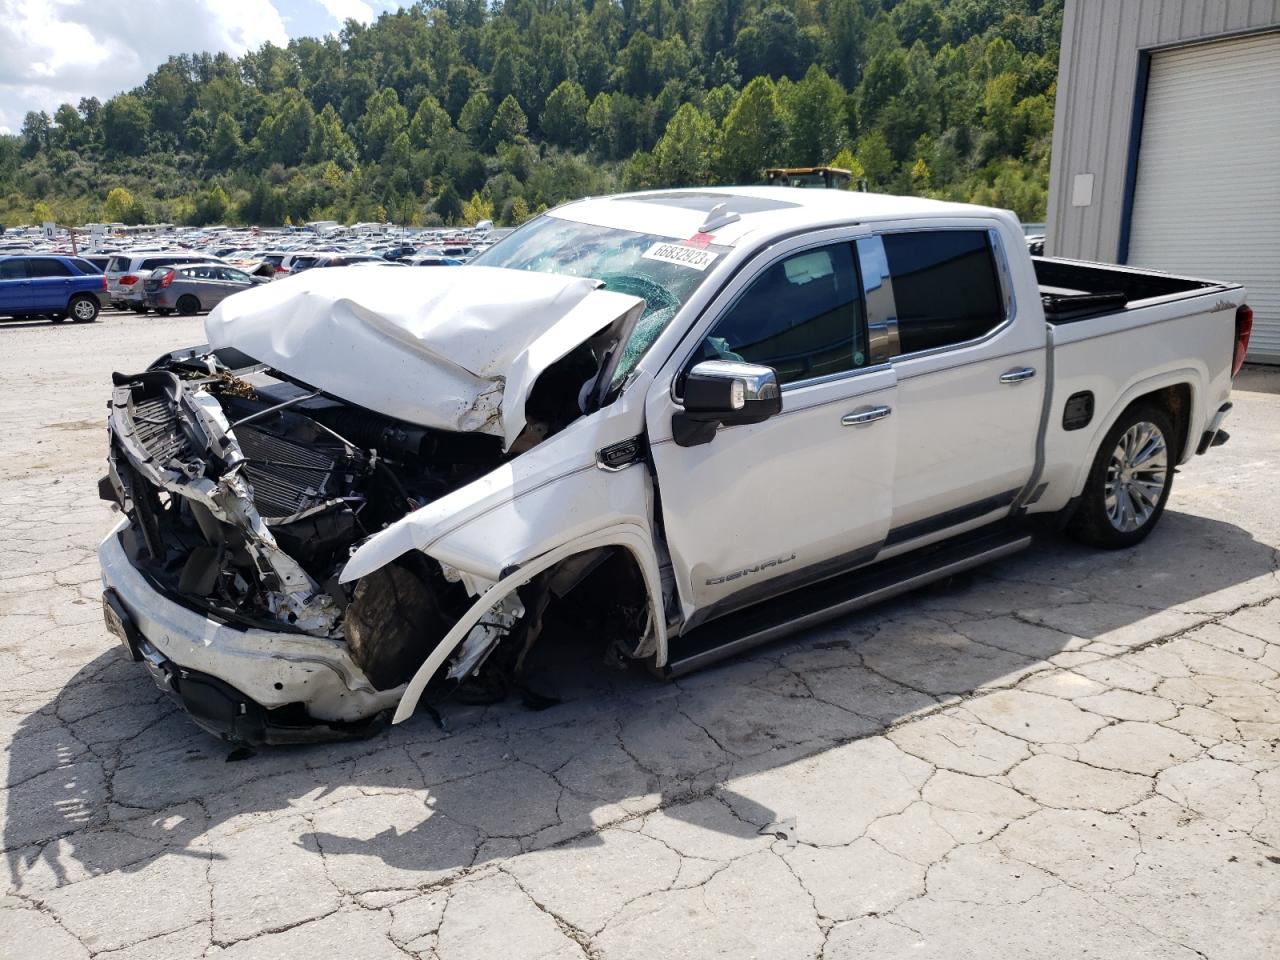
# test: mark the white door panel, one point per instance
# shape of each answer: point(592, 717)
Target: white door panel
point(970, 387)
point(764, 506)
point(965, 436)
point(778, 498)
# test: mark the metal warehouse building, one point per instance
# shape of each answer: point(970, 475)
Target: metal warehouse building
point(1166, 143)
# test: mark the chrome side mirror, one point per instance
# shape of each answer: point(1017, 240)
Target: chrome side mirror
point(724, 392)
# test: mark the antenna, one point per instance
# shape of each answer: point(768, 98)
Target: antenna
point(718, 217)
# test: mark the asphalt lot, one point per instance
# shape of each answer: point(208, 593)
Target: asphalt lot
point(1069, 754)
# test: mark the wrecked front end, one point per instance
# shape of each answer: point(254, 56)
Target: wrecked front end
point(266, 571)
point(244, 495)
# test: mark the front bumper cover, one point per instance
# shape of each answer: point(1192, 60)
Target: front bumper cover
point(244, 685)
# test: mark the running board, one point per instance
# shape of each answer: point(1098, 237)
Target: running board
point(808, 606)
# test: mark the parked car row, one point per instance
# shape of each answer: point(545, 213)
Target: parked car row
point(189, 270)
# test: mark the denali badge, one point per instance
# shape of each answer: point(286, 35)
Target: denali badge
point(737, 574)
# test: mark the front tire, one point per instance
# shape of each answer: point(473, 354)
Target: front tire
point(83, 309)
point(1130, 480)
point(188, 305)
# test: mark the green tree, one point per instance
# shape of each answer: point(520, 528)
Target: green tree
point(125, 124)
point(564, 119)
point(430, 121)
point(509, 123)
point(330, 141)
point(845, 160)
point(684, 155)
point(285, 135)
point(35, 132)
point(814, 118)
point(519, 211)
point(448, 205)
point(212, 205)
point(753, 133)
point(876, 160)
point(225, 146)
point(475, 118)
point(476, 209)
point(119, 200)
point(383, 119)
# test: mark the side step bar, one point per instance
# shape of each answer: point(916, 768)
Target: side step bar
point(829, 599)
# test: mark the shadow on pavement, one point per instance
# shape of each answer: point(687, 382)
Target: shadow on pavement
point(107, 776)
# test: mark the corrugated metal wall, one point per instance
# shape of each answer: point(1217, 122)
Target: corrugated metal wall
point(1102, 45)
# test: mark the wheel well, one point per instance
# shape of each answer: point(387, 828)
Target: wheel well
point(604, 587)
point(1175, 400)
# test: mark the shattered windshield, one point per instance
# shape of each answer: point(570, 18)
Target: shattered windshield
point(663, 272)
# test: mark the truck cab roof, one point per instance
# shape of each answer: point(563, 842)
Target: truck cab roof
point(680, 214)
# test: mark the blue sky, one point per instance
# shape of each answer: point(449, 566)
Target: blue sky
point(57, 51)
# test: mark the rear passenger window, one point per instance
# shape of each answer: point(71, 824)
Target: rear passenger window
point(13, 270)
point(42, 267)
point(802, 316)
point(152, 263)
point(945, 286)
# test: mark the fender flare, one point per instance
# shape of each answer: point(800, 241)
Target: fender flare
point(629, 536)
point(1193, 378)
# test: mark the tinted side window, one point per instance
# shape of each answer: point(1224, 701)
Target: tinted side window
point(802, 316)
point(152, 262)
point(13, 270)
point(945, 286)
point(43, 267)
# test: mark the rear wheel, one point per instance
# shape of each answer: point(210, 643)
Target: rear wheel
point(83, 309)
point(1130, 480)
point(187, 304)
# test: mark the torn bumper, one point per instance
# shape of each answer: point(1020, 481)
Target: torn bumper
point(250, 685)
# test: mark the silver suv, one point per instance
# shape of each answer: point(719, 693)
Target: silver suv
point(127, 272)
point(194, 288)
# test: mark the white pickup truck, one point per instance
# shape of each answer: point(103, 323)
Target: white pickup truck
point(687, 421)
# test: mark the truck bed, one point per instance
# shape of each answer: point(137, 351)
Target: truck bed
point(1073, 290)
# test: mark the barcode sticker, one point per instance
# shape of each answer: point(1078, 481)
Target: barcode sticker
point(681, 255)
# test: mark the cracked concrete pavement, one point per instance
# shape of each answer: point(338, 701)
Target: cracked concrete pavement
point(1068, 754)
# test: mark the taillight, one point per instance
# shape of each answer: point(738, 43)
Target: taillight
point(104, 281)
point(128, 280)
point(1244, 327)
point(167, 278)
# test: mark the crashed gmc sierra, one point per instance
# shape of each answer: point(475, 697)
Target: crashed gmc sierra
point(685, 422)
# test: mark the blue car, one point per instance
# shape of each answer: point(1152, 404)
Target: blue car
point(51, 286)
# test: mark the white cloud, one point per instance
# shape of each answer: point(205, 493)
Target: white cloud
point(57, 51)
point(344, 10)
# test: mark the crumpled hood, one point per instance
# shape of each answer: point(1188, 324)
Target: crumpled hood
point(452, 348)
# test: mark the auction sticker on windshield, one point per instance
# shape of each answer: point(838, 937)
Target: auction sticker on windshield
point(681, 256)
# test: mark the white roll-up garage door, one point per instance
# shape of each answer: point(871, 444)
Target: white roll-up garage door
point(1207, 197)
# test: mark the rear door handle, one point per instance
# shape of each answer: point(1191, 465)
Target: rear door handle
point(865, 415)
point(1018, 375)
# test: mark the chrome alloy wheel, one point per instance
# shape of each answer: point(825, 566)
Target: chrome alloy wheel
point(83, 310)
point(1136, 477)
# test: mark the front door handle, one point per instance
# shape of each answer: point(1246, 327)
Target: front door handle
point(1018, 375)
point(865, 415)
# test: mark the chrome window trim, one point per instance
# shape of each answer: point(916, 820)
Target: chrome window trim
point(1001, 262)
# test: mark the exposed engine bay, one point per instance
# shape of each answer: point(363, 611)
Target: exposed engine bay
point(248, 492)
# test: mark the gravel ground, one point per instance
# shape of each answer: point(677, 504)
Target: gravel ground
point(1068, 754)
